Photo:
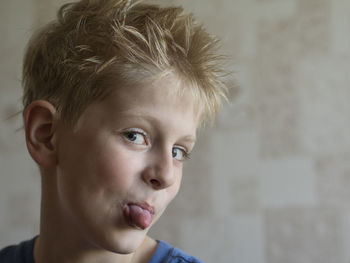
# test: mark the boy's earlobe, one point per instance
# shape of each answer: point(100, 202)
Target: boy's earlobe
point(40, 124)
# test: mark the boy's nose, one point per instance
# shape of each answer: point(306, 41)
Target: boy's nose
point(159, 173)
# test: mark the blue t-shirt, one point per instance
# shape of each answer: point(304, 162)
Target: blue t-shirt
point(23, 253)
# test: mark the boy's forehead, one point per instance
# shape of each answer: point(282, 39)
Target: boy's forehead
point(161, 86)
point(146, 102)
point(149, 97)
point(153, 105)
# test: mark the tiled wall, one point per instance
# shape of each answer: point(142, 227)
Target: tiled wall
point(270, 182)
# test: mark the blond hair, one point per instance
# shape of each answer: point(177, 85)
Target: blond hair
point(92, 41)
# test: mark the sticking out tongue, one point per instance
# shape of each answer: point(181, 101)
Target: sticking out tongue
point(137, 216)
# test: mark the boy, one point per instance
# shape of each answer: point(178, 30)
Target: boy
point(114, 91)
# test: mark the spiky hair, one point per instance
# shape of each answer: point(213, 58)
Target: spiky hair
point(68, 61)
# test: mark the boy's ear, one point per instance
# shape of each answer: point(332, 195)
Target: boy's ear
point(40, 125)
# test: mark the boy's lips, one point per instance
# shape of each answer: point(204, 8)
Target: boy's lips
point(138, 215)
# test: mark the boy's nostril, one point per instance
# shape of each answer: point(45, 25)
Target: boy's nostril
point(155, 182)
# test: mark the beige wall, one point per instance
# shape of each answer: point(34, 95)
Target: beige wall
point(270, 182)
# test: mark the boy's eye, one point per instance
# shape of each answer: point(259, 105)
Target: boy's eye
point(179, 154)
point(135, 137)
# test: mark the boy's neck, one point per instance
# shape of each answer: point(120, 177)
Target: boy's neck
point(53, 251)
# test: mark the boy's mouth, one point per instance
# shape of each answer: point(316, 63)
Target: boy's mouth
point(138, 215)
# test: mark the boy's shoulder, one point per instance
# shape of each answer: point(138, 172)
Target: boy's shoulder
point(165, 253)
point(21, 253)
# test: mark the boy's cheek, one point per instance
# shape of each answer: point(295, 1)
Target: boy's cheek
point(173, 191)
point(171, 194)
point(117, 169)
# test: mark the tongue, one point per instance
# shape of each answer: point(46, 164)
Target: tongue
point(139, 217)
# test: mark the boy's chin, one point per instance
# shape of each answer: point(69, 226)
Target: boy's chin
point(126, 243)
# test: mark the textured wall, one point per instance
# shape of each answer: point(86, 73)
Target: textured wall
point(19, 180)
point(270, 182)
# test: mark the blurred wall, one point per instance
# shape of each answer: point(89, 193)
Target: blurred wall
point(270, 182)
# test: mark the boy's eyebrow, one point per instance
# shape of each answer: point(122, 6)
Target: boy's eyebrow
point(189, 138)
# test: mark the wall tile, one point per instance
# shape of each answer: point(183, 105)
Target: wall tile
point(333, 180)
point(286, 182)
point(239, 236)
point(303, 234)
point(324, 109)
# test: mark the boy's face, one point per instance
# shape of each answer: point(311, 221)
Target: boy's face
point(120, 167)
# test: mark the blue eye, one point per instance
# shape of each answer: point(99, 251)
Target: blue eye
point(135, 137)
point(179, 154)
